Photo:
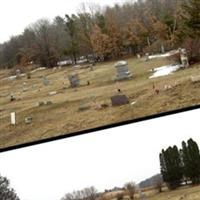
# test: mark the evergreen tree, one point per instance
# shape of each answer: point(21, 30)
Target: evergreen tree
point(171, 169)
point(192, 163)
point(185, 160)
point(71, 28)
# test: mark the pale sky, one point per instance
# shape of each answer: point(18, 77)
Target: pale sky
point(103, 159)
point(16, 15)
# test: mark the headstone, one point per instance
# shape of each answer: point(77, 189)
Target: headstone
point(184, 58)
point(24, 87)
point(12, 97)
point(119, 100)
point(52, 93)
point(133, 103)
point(74, 80)
point(28, 120)
point(162, 49)
point(122, 71)
point(13, 118)
point(45, 81)
point(146, 57)
point(18, 73)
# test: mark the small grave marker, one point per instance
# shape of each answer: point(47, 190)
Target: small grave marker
point(28, 120)
point(147, 57)
point(12, 97)
point(52, 93)
point(45, 81)
point(18, 73)
point(119, 100)
point(13, 118)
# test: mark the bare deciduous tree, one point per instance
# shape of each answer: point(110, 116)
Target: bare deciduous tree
point(131, 189)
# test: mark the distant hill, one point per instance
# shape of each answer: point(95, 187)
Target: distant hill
point(150, 182)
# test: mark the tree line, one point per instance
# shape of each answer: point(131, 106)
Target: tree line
point(181, 166)
point(107, 33)
point(91, 193)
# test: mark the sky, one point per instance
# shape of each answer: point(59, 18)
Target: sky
point(103, 159)
point(16, 15)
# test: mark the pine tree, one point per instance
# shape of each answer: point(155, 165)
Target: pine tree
point(185, 160)
point(71, 28)
point(171, 168)
point(193, 162)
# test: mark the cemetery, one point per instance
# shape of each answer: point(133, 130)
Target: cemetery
point(64, 100)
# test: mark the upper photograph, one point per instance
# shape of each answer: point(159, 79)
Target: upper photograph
point(70, 66)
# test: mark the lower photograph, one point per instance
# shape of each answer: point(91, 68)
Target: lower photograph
point(158, 159)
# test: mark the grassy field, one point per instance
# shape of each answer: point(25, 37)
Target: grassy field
point(183, 193)
point(187, 193)
point(64, 117)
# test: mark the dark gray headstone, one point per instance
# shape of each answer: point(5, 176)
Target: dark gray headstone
point(119, 100)
point(74, 80)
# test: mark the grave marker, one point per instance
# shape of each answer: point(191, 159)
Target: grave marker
point(28, 120)
point(119, 100)
point(13, 118)
point(52, 93)
point(45, 81)
point(147, 57)
point(18, 73)
point(184, 58)
point(123, 72)
point(74, 80)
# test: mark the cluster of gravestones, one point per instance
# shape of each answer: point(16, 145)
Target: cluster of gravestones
point(27, 120)
point(123, 73)
point(183, 57)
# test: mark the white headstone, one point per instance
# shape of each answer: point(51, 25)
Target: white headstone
point(13, 118)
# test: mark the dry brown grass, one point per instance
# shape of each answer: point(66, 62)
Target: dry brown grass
point(63, 117)
point(182, 193)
